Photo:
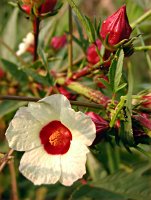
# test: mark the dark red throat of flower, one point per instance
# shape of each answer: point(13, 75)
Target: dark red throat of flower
point(55, 138)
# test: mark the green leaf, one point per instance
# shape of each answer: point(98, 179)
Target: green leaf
point(128, 131)
point(90, 29)
point(122, 185)
point(13, 69)
point(115, 71)
point(120, 87)
point(84, 20)
point(106, 83)
point(7, 107)
point(118, 73)
point(10, 34)
point(38, 78)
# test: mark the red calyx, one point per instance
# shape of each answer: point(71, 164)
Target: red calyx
point(101, 126)
point(91, 54)
point(47, 6)
point(27, 9)
point(2, 73)
point(117, 26)
point(58, 42)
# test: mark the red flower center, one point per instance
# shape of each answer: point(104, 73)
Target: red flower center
point(55, 138)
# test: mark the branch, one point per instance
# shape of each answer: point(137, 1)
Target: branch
point(13, 180)
point(5, 159)
point(33, 99)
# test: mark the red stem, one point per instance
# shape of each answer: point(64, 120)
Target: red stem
point(36, 23)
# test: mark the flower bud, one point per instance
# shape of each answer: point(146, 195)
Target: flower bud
point(101, 126)
point(27, 9)
point(91, 54)
point(146, 100)
point(58, 42)
point(66, 93)
point(2, 73)
point(47, 6)
point(117, 26)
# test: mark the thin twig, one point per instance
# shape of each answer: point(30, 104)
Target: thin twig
point(33, 99)
point(13, 180)
point(70, 45)
point(141, 19)
point(6, 158)
point(36, 24)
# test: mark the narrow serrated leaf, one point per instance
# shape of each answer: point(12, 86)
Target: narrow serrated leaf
point(14, 70)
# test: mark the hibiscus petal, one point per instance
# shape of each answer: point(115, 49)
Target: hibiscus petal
point(49, 108)
point(73, 163)
point(23, 131)
point(40, 167)
point(81, 126)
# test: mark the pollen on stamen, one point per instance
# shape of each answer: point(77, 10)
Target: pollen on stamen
point(55, 138)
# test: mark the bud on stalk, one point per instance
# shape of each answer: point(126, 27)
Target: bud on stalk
point(117, 26)
point(101, 126)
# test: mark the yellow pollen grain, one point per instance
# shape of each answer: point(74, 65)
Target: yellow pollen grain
point(55, 138)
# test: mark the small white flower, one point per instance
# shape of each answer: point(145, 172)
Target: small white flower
point(27, 42)
point(55, 139)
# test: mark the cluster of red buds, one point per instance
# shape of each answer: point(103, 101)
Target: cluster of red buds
point(114, 29)
point(39, 7)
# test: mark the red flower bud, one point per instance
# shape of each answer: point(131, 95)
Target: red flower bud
point(144, 120)
point(27, 9)
point(47, 6)
point(146, 101)
point(91, 54)
point(2, 73)
point(101, 126)
point(117, 26)
point(66, 93)
point(58, 42)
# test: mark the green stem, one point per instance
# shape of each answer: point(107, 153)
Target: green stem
point(142, 48)
point(93, 95)
point(141, 19)
point(70, 45)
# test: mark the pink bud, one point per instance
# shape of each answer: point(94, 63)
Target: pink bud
point(144, 120)
point(117, 26)
point(66, 93)
point(2, 73)
point(47, 6)
point(146, 101)
point(27, 9)
point(58, 42)
point(91, 54)
point(101, 126)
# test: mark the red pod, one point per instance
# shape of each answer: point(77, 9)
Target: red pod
point(146, 101)
point(47, 6)
point(101, 126)
point(27, 9)
point(2, 73)
point(91, 54)
point(117, 26)
point(58, 42)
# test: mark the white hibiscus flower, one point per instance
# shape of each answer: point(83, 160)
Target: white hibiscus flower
point(55, 139)
point(28, 41)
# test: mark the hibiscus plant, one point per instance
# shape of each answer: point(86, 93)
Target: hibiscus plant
point(75, 100)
